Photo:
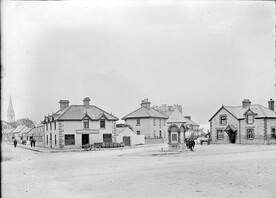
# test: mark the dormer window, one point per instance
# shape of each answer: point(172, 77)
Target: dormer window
point(249, 119)
point(223, 120)
point(86, 123)
point(102, 123)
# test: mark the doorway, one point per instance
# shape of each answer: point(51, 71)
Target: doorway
point(84, 139)
point(232, 136)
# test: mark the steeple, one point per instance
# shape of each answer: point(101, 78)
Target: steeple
point(10, 115)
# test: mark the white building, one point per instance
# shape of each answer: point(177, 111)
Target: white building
point(75, 125)
point(147, 121)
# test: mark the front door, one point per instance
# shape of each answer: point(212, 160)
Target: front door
point(232, 136)
point(50, 140)
point(84, 139)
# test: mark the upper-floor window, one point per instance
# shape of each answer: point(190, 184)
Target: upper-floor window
point(154, 122)
point(164, 122)
point(223, 120)
point(46, 126)
point(102, 123)
point(55, 125)
point(250, 134)
point(51, 126)
point(159, 122)
point(249, 119)
point(138, 132)
point(138, 122)
point(220, 134)
point(86, 123)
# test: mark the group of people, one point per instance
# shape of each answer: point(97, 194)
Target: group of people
point(32, 142)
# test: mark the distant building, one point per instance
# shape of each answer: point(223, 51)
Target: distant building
point(192, 128)
point(147, 121)
point(75, 125)
point(38, 134)
point(10, 114)
point(249, 124)
point(129, 137)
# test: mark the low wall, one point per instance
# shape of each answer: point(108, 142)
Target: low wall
point(154, 141)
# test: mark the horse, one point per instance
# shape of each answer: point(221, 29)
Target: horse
point(190, 144)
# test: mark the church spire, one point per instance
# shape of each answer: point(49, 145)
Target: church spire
point(11, 115)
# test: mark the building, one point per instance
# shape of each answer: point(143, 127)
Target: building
point(38, 134)
point(147, 121)
point(23, 135)
point(176, 127)
point(10, 114)
point(129, 137)
point(192, 128)
point(16, 132)
point(75, 125)
point(245, 124)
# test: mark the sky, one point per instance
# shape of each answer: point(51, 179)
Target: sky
point(194, 53)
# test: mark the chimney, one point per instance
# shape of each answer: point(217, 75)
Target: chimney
point(86, 102)
point(271, 104)
point(145, 103)
point(246, 103)
point(64, 104)
point(188, 117)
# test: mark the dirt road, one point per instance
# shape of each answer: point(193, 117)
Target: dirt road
point(209, 171)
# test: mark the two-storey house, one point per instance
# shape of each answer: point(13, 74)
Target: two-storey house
point(75, 125)
point(249, 123)
point(147, 121)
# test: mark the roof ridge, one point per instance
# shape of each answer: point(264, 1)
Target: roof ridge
point(104, 111)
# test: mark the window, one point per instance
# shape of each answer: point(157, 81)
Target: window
point(223, 120)
point(51, 126)
point(55, 139)
point(47, 139)
point(102, 123)
point(249, 119)
point(164, 122)
point(154, 133)
point(69, 139)
point(273, 133)
point(154, 122)
point(86, 123)
point(174, 137)
point(46, 126)
point(138, 132)
point(160, 134)
point(138, 122)
point(55, 125)
point(220, 135)
point(159, 122)
point(250, 134)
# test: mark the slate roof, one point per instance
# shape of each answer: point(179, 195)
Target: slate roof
point(177, 116)
point(144, 112)
point(19, 128)
point(25, 130)
point(77, 112)
point(190, 122)
point(7, 131)
point(122, 129)
point(238, 111)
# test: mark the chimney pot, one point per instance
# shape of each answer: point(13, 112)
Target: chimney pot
point(145, 103)
point(271, 104)
point(246, 103)
point(86, 102)
point(64, 104)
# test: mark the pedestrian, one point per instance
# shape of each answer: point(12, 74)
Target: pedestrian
point(33, 142)
point(14, 143)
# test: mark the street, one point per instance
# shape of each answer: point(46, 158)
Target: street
point(209, 171)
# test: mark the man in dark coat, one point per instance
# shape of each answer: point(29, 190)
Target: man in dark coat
point(33, 142)
point(190, 144)
point(14, 143)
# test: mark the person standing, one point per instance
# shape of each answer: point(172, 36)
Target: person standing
point(14, 143)
point(33, 142)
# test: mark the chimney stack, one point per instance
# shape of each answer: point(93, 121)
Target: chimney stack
point(64, 104)
point(271, 104)
point(145, 103)
point(246, 103)
point(86, 102)
point(188, 117)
